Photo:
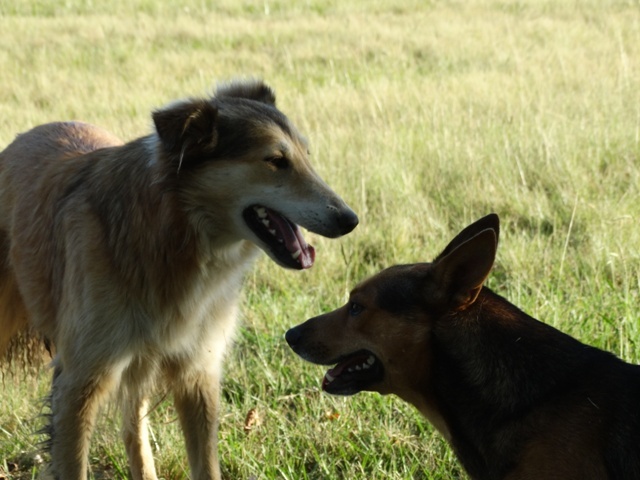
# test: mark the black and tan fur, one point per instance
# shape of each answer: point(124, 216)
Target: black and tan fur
point(130, 257)
point(515, 398)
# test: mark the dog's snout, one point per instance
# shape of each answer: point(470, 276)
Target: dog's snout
point(293, 336)
point(347, 220)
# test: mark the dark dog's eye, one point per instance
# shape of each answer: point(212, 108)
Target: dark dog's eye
point(355, 309)
point(280, 163)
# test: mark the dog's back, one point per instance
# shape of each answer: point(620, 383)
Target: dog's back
point(25, 160)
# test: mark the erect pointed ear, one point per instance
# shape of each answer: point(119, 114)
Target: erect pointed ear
point(250, 89)
point(187, 128)
point(460, 274)
point(491, 221)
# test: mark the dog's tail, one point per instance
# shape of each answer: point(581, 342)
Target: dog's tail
point(20, 345)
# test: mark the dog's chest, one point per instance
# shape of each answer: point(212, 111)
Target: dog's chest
point(205, 317)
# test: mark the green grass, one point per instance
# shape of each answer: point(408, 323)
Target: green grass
point(424, 115)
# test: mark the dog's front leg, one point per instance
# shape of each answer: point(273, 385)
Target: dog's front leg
point(197, 402)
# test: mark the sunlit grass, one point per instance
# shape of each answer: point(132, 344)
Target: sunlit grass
point(424, 116)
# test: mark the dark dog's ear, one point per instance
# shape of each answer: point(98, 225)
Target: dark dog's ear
point(491, 221)
point(250, 89)
point(187, 128)
point(460, 274)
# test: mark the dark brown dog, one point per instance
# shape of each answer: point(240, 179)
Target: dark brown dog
point(515, 398)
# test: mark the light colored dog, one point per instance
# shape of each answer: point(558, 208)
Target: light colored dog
point(130, 257)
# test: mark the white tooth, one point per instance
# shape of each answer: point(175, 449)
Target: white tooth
point(358, 367)
point(296, 254)
point(371, 360)
point(349, 369)
point(262, 213)
point(365, 366)
point(272, 232)
point(265, 222)
point(329, 377)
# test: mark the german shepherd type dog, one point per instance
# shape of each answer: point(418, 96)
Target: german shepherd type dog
point(515, 398)
point(130, 257)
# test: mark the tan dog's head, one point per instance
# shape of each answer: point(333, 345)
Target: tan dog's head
point(381, 339)
point(243, 172)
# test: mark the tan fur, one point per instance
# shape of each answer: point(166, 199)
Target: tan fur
point(130, 258)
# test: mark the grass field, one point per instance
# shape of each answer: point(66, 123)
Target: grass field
point(424, 115)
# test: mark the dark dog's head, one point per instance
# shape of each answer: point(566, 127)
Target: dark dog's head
point(381, 339)
point(243, 172)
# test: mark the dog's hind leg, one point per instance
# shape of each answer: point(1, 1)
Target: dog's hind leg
point(135, 434)
point(75, 399)
point(13, 313)
point(197, 402)
point(137, 382)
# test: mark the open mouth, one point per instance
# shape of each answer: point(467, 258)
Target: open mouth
point(353, 373)
point(283, 237)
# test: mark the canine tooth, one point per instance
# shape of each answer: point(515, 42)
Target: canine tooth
point(265, 222)
point(272, 232)
point(262, 213)
point(329, 377)
point(296, 254)
point(371, 360)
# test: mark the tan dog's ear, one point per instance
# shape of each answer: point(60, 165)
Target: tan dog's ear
point(250, 89)
point(187, 128)
point(460, 271)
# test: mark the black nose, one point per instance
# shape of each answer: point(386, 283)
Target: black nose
point(348, 220)
point(292, 336)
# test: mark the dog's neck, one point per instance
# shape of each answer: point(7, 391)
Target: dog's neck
point(427, 405)
point(185, 248)
point(491, 365)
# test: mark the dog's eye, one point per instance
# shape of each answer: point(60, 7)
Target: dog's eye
point(279, 162)
point(355, 309)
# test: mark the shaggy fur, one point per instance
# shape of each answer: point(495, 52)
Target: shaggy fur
point(129, 257)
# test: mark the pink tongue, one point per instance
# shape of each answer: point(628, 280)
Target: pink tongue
point(293, 239)
point(338, 369)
